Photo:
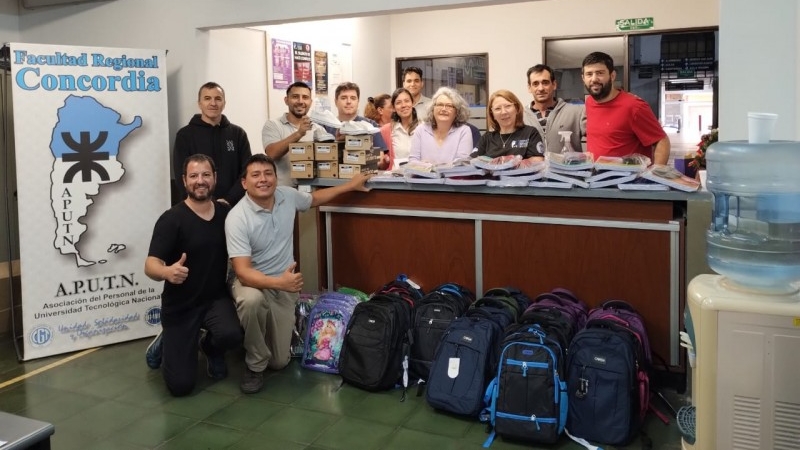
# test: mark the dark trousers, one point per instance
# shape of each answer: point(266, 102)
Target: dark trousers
point(180, 341)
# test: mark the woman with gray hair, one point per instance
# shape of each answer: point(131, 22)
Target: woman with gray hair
point(444, 137)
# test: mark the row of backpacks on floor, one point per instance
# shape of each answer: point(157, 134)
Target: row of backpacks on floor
point(528, 367)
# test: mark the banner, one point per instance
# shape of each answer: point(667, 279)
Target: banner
point(92, 152)
point(321, 72)
point(281, 64)
point(302, 63)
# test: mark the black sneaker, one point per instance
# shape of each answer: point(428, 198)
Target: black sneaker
point(215, 364)
point(252, 382)
point(153, 353)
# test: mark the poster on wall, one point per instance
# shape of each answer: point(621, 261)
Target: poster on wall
point(92, 181)
point(321, 72)
point(302, 62)
point(281, 64)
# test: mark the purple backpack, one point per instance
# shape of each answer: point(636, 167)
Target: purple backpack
point(621, 315)
point(327, 324)
point(626, 316)
point(566, 302)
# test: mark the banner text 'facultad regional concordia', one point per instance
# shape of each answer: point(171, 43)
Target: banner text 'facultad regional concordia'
point(92, 149)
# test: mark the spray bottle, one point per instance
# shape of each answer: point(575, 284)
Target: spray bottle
point(566, 139)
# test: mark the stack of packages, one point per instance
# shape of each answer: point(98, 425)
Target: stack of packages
point(565, 170)
point(325, 154)
point(301, 158)
point(358, 154)
point(511, 171)
point(617, 170)
point(421, 173)
point(462, 172)
point(669, 177)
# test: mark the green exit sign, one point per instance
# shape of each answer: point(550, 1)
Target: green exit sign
point(640, 23)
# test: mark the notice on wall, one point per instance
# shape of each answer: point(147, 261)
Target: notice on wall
point(281, 64)
point(94, 178)
point(302, 62)
point(321, 72)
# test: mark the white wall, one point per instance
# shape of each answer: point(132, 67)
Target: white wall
point(9, 21)
point(759, 65)
point(236, 61)
point(512, 34)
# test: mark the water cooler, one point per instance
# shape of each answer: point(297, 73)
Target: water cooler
point(745, 323)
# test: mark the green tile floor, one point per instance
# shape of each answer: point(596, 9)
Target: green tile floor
point(109, 399)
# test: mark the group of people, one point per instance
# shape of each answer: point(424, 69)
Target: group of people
point(238, 210)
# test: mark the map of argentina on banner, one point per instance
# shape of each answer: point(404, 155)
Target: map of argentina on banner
point(92, 148)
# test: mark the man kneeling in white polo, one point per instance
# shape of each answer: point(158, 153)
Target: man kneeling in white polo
point(259, 237)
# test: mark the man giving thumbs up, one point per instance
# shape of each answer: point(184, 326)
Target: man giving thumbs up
point(259, 234)
point(187, 252)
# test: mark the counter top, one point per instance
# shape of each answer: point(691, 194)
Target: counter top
point(576, 192)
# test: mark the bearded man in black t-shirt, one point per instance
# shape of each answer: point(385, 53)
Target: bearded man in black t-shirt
point(188, 252)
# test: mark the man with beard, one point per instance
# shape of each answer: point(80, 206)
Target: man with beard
point(212, 134)
point(259, 233)
point(619, 123)
point(549, 114)
point(191, 238)
point(293, 126)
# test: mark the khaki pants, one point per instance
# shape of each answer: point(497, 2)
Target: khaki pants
point(267, 317)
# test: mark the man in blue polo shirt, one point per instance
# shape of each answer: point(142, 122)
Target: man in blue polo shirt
point(259, 234)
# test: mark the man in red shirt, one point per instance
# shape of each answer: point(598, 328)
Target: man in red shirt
point(618, 123)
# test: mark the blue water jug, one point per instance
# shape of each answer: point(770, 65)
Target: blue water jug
point(754, 237)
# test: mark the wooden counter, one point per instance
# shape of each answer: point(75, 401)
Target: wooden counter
point(601, 244)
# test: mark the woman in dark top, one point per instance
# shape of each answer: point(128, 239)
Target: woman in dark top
point(507, 134)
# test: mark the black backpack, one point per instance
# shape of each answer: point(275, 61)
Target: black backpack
point(432, 315)
point(376, 341)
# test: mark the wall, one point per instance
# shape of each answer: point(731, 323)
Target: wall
point(9, 21)
point(759, 65)
point(513, 38)
point(242, 77)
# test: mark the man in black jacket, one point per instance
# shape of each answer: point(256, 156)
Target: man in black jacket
point(212, 134)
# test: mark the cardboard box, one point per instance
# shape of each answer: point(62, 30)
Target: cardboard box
point(358, 142)
point(327, 151)
point(327, 169)
point(349, 170)
point(301, 151)
point(361, 157)
point(302, 169)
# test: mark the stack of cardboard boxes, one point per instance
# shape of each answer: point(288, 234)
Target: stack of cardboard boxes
point(358, 156)
point(334, 159)
point(301, 157)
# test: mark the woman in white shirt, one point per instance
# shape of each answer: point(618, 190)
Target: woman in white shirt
point(397, 133)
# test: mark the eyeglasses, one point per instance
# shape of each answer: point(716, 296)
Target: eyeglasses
point(449, 106)
point(503, 108)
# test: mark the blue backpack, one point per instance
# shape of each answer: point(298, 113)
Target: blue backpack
point(327, 323)
point(466, 360)
point(607, 378)
point(432, 315)
point(527, 400)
